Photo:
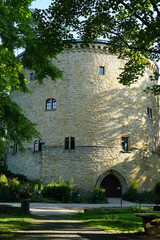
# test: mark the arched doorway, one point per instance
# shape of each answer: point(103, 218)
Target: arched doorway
point(114, 183)
point(112, 186)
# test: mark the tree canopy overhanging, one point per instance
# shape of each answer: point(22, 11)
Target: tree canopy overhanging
point(42, 40)
point(130, 27)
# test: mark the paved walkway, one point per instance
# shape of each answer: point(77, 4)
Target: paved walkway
point(71, 208)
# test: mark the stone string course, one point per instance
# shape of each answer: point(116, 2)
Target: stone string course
point(98, 112)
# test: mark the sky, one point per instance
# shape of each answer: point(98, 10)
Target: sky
point(40, 4)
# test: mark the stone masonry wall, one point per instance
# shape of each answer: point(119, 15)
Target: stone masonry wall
point(98, 112)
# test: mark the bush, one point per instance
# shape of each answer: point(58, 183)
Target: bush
point(3, 180)
point(98, 196)
point(137, 209)
point(133, 195)
point(60, 191)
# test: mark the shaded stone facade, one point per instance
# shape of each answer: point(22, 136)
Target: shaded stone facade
point(100, 114)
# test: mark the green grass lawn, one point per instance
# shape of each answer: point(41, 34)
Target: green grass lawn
point(9, 224)
point(112, 220)
point(115, 220)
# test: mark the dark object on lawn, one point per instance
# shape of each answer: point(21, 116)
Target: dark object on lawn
point(151, 223)
point(25, 206)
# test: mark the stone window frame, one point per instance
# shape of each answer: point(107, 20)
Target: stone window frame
point(149, 113)
point(101, 70)
point(69, 143)
point(125, 143)
point(37, 145)
point(51, 104)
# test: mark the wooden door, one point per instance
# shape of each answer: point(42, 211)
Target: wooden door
point(112, 186)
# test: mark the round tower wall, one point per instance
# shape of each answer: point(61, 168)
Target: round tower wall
point(97, 111)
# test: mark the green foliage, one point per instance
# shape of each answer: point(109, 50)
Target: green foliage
point(137, 209)
point(60, 191)
point(130, 28)
point(42, 40)
point(98, 196)
point(9, 174)
point(11, 189)
point(3, 180)
point(133, 195)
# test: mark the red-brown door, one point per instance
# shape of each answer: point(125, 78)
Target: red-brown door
point(112, 186)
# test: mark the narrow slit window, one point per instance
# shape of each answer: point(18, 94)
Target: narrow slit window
point(15, 147)
point(31, 76)
point(54, 104)
point(101, 70)
point(48, 104)
point(72, 143)
point(149, 113)
point(67, 143)
point(125, 144)
point(36, 146)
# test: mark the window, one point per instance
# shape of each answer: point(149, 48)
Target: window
point(149, 113)
point(101, 70)
point(37, 145)
point(14, 149)
point(66, 143)
point(51, 104)
point(125, 144)
point(69, 143)
point(31, 76)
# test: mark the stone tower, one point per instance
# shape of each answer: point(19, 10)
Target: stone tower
point(94, 130)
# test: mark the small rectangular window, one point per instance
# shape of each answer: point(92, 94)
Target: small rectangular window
point(31, 76)
point(149, 113)
point(101, 70)
point(15, 148)
point(37, 146)
point(72, 143)
point(125, 144)
point(67, 143)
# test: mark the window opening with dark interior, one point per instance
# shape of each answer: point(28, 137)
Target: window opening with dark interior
point(125, 143)
point(101, 70)
point(15, 148)
point(31, 76)
point(149, 113)
point(51, 104)
point(69, 143)
point(37, 145)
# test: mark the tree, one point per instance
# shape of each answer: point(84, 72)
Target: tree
point(131, 29)
point(42, 40)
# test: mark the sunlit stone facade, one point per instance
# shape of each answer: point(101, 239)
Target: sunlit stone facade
point(98, 132)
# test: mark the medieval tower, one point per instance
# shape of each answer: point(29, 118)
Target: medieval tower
point(94, 129)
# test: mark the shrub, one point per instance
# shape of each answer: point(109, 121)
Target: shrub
point(137, 209)
point(98, 196)
point(3, 180)
point(133, 195)
point(60, 191)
